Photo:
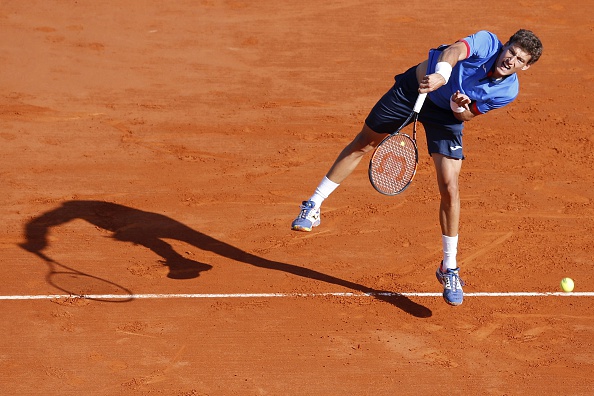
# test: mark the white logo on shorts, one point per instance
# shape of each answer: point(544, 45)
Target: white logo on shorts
point(454, 148)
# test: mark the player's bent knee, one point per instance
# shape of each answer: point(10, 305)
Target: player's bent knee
point(368, 139)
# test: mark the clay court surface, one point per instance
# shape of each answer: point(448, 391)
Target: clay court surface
point(155, 153)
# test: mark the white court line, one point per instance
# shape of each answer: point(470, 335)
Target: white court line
point(282, 295)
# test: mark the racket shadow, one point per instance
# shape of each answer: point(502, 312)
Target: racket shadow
point(77, 283)
point(150, 230)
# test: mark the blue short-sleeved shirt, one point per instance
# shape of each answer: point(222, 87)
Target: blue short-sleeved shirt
point(471, 76)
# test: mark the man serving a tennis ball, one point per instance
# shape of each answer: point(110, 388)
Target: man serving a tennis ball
point(471, 77)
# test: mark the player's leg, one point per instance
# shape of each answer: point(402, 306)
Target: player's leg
point(385, 117)
point(448, 171)
point(444, 143)
point(345, 163)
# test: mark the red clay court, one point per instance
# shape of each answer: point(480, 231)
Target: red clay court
point(154, 155)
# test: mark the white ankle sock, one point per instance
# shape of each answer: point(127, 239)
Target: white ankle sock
point(324, 189)
point(450, 249)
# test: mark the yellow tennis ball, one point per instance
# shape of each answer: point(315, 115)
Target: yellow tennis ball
point(567, 284)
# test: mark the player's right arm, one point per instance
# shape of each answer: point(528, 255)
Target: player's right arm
point(451, 55)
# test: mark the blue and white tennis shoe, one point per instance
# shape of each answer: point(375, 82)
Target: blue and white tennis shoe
point(452, 285)
point(308, 218)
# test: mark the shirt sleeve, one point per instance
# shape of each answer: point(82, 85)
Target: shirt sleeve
point(481, 45)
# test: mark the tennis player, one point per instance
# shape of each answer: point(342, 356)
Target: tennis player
point(463, 80)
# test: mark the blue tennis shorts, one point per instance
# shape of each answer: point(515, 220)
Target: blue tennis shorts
point(442, 129)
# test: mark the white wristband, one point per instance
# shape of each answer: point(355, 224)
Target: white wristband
point(455, 108)
point(445, 69)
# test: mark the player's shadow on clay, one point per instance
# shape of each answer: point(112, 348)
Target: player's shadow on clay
point(151, 229)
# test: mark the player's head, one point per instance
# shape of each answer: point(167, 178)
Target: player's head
point(528, 42)
point(521, 51)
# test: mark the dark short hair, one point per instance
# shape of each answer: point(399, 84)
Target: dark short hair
point(528, 42)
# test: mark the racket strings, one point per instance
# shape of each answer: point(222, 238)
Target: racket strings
point(393, 165)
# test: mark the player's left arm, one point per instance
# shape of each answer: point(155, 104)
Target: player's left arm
point(462, 107)
point(465, 109)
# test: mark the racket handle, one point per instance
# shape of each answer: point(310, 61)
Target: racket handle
point(419, 103)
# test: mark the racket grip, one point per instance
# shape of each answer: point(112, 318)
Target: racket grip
point(419, 102)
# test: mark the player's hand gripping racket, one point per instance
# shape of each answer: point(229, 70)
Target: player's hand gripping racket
point(394, 162)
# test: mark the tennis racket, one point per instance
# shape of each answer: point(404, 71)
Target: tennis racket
point(394, 162)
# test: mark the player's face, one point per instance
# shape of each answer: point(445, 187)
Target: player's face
point(511, 60)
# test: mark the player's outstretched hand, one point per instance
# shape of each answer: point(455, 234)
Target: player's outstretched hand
point(461, 99)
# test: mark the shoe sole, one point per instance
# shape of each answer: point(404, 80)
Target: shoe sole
point(300, 228)
point(305, 229)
